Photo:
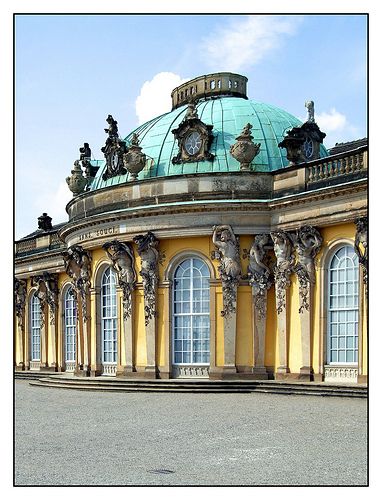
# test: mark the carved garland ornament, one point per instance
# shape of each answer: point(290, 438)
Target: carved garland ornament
point(20, 291)
point(259, 274)
point(47, 293)
point(229, 267)
point(77, 267)
point(149, 254)
point(283, 268)
point(360, 246)
point(122, 260)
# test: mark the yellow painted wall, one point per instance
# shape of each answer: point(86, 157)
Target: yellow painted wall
point(244, 334)
point(244, 341)
point(294, 327)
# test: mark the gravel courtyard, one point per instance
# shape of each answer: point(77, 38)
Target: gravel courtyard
point(65, 437)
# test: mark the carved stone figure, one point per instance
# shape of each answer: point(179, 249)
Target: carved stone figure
point(77, 267)
point(244, 150)
point(229, 268)
point(284, 266)
point(259, 274)
point(310, 107)
point(47, 293)
point(76, 182)
point(134, 160)
point(20, 291)
point(149, 254)
point(113, 150)
point(361, 247)
point(85, 152)
point(45, 222)
point(122, 258)
point(307, 241)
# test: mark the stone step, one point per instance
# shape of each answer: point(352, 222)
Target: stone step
point(176, 386)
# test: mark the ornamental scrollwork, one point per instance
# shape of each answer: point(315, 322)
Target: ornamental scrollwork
point(20, 291)
point(361, 247)
point(307, 242)
point(284, 266)
point(229, 267)
point(194, 138)
point(77, 267)
point(47, 294)
point(149, 254)
point(122, 260)
point(259, 274)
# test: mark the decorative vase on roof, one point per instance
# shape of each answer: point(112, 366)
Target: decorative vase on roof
point(134, 160)
point(76, 182)
point(244, 150)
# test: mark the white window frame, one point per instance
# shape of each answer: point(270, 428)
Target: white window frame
point(355, 309)
point(109, 316)
point(35, 329)
point(70, 326)
point(191, 315)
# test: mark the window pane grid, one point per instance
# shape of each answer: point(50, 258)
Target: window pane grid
point(70, 321)
point(35, 329)
point(191, 300)
point(109, 317)
point(343, 307)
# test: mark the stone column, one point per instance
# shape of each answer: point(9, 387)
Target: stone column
point(20, 292)
point(20, 340)
point(259, 328)
point(86, 327)
point(149, 254)
point(305, 311)
point(53, 343)
point(283, 250)
point(165, 370)
point(228, 254)
point(307, 242)
point(283, 367)
point(43, 340)
point(229, 322)
point(128, 341)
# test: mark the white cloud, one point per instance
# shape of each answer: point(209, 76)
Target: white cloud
point(336, 127)
point(155, 96)
point(244, 43)
point(54, 202)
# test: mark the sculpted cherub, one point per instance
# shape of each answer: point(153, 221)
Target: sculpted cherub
point(225, 240)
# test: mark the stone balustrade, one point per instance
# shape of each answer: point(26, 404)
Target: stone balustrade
point(339, 165)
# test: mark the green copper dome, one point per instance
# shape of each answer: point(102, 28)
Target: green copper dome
point(228, 115)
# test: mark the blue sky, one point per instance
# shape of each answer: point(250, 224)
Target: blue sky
point(72, 71)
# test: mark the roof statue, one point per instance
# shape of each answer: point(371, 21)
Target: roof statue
point(310, 107)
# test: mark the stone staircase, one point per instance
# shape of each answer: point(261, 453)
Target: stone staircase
point(111, 384)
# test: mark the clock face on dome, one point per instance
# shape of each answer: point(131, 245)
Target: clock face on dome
point(193, 143)
point(308, 148)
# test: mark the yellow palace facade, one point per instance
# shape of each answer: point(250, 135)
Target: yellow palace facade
point(220, 240)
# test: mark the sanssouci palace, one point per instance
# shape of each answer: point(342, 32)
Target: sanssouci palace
point(220, 240)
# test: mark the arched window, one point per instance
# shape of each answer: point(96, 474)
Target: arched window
point(70, 322)
point(191, 313)
point(342, 335)
point(109, 318)
point(35, 329)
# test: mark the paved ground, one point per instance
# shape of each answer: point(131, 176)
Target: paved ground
point(66, 437)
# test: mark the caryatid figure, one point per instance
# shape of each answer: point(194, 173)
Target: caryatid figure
point(122, 259)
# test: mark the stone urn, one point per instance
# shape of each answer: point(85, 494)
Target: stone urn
point(244, 150)
point(76, 182)
point(134, 160)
